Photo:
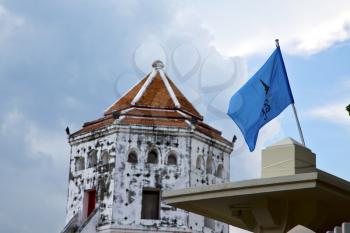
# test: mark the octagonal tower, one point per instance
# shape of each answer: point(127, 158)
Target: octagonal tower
point(151, 139)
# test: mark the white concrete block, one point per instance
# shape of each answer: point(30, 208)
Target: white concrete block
point(337, 230)
point(285, 158)
point(346, 227)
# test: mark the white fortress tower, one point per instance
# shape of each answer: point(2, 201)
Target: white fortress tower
point(152, 139)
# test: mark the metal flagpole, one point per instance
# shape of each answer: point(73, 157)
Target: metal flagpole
point(294, 110)
point(298, 123)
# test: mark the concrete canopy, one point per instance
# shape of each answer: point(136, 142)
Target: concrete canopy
point(316, 200)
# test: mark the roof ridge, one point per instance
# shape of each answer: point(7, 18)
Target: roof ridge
point(169, 89)
point(144, 87)
point(148, 82)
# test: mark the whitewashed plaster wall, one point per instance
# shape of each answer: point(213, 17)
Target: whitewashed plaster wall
point(201, 150)
point(99, 177)
point(119, 184)
point(132, 178)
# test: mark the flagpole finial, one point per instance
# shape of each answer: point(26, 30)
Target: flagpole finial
point(277, 43)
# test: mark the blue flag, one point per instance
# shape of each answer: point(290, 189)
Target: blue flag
point(261, 99)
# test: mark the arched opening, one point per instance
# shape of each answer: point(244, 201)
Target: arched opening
point(79, 163)
point(210, 165)
point(105, 157)
point(92, 158)
point(172, 159)
point(132, 157)
point(152, 157)
point(200, 162)
point(220, 172)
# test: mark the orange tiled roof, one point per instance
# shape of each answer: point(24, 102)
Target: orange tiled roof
point(125, 101)
point(155, 122)
point(208, 131)
point(94, 125)
point(185, 104)
point(156, 95)
point(148, 112)
point(154, 101)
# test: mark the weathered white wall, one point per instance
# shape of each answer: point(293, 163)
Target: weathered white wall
point(207, 149)
point(119, 184)
point(99, 177)
point(132, 178)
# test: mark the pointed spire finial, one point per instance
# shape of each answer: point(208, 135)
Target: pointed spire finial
point(277, 43)
point(158, 64)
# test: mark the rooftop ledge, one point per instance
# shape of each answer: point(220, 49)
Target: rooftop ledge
point(288, 194)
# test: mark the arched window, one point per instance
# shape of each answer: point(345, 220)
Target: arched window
point(132, 157)
point(105, 157)
point(79, 163)
point(210, 165)
point(92, 158)
point(152, 157)
point(220, 172)
point(200, 162)
point(172, 159)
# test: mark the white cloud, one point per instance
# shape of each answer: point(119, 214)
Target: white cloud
point(10, 120)
point(39, 141)
point(44, 142)
point(332, 112)
point(325, 35)
point(33, 167)
point(244, 28)
point(149, 51)
point(8, 23)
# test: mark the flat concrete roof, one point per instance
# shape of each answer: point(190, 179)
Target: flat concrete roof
point(317, 195)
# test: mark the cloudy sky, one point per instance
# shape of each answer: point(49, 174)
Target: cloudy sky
point(63, 62)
